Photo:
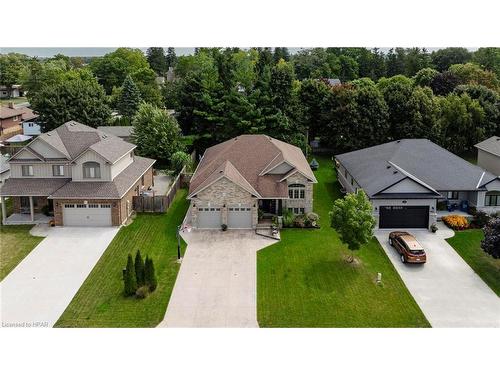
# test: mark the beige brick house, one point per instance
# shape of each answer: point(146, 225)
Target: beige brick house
point(78, 175)
point(237, 178)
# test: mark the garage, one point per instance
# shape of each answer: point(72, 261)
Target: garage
point(87, 215)
point(404, 217)
point(239, 217)
point(209, 217)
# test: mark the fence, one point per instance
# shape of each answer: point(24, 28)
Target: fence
point(10, 149)
point(158, 203)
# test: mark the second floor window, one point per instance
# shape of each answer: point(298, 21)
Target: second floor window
point(296, 191)
point(91, 169)
point(58, 170)
point(27, 170)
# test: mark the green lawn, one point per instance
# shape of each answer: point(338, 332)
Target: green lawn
point(304, 280)
point(100, 301)
point(15, 243)
point(8, 206)
point(17, 100)
point(467, 244)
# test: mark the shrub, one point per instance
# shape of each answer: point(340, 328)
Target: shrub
point(142, 292)
point(299, 221)
point(491, 242)
point(150, 275)
point(139, 269)
point(456, 222)
point(180, 159)
point(129, 281)
point(313, 218)
point(288, 219)
point(480, 219)
point(434, 228)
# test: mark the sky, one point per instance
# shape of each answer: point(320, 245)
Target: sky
point(100, 51)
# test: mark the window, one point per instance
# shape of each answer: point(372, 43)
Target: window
point(452, 195)
point(93, 205)
point(492, 198)
point(105, 205)
point(296, 210)
point(27, 170)
point(58, 170)
point(91, 169)
point(15, 118)
point(296, 191)
point(69, 205)
point(80, 205)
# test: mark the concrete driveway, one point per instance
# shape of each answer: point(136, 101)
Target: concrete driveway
point(217, 283)
point(39, 289)
point(447, 290)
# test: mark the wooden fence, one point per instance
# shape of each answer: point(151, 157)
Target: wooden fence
point(158, 203)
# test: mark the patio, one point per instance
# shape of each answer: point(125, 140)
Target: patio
point(19, 219)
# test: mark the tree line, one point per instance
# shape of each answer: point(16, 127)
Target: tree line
point(450, 96)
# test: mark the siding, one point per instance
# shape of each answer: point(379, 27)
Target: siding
point(45, 150)
point(407, 186)
point(39, 170)
point(120, 165)
point(489, 162)
point(77, 169)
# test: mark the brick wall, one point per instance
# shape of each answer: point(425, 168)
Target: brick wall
point(38, 203)
point(307, 202)
point(126, 201)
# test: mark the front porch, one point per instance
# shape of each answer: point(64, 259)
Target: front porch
point(27, 210)
point(21, 219)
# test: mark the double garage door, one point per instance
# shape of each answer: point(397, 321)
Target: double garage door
point(404, 217)
point(87, 215)
point(237, 217)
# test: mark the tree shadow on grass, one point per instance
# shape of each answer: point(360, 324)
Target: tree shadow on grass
point(330, 276)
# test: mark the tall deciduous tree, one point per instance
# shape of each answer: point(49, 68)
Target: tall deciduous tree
point(156, 133)
point(353, 219)
point(157, 60)
point(443, 58)
point(129, 98)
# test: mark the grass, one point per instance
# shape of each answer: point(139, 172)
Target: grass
point(15, 243)
point(467, 244)
point(100, 301)
point(20, 99)
point(8, 207)
point(304, 280)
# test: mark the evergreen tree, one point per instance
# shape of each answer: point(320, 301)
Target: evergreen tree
point(157, 60)
point(281, 53)
point(139, 269)
point(129, 99)
point(130, 284)
point(171, 58)
point(150, 276)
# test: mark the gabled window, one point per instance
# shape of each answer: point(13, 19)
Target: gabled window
point(296, 191)
point(58, 170)
point(91, 169)
point(27, 170)
point(492, 198)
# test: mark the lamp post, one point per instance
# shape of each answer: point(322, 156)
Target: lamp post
point(179, 258)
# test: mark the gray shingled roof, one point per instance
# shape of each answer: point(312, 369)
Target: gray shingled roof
point(40, 187)
point(119, 131)
point(376, 168)
point(4, 164)
point(491, 145)
point(107, 189)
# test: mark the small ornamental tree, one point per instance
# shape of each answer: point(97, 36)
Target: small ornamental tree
point(130, 284)
point(352, 218)
point(139, 268)
point(491, 242)
point(129, 99)
point(180, 159)
point(150, 276)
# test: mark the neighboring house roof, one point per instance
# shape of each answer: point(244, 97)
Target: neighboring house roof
point(379, 167)
point(491, 145)
point(73, 138)
point(28, 114)
point(31, 186)
point(333, 81)
point(247, 160)
point(8, 112)
point(115, 189)
point(119, 131)
point(4, 165)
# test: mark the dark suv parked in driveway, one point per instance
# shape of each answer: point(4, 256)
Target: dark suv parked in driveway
point(408, 247)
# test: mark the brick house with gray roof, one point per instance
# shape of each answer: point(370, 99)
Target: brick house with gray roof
point(82, 176)
point(237, 178)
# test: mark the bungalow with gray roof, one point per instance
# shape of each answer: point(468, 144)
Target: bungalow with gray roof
point(80, 175)
point(406, 179)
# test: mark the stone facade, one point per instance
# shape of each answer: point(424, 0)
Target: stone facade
point(223, 193)
point(307, 202)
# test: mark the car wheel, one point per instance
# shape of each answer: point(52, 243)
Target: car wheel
point(403, 259)
point(390, 241)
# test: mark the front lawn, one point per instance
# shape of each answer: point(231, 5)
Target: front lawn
point(467, 244)
point(100, 301)
point(304, 280)
point(15, 243)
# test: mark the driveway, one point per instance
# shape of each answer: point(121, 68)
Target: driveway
point(40, 288)
point(217, 283)
point(447, 290)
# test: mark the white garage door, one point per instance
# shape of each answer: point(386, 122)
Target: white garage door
point(87, 215)
point(239, 217)
point(209, 217)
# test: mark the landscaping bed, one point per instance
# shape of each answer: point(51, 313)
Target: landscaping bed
point(467, 244)
point(101, 302)
point(305, 281)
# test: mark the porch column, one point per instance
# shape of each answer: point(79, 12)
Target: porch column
point(4, 210)
point(32, 209)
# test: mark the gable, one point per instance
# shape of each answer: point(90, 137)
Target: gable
point(222, 189)
point(406, 186)
point(24, 154)
point(45, 150)
point(493, 185)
